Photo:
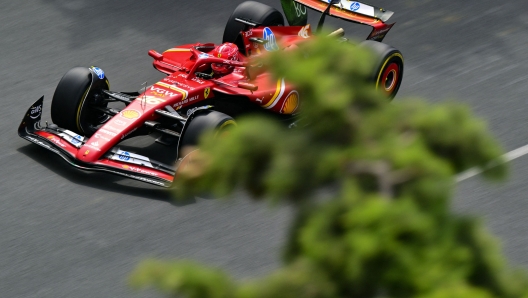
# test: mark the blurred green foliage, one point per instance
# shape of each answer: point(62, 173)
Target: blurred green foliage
point(387, 230)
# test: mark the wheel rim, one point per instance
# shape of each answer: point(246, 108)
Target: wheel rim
point(390, 77)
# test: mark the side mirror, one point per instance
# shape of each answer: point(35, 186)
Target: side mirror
point(247, 86)
point(155, 55)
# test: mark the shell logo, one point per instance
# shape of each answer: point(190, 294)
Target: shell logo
point(130, 114)
point(126, 167)
point(291, 103)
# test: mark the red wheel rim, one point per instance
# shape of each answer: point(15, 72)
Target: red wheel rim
point(389, 79)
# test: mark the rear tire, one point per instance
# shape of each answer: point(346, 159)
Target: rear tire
point(74, 97)
point(201, 123)
point(254, 11)
point(388, 71)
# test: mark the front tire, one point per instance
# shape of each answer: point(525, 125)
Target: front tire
point(201, 123)
point(75, 97)
point(388, 71)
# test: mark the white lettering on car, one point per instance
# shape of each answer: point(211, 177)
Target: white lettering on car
point(139, 170)
point(35, 112)
point(93, 147)
point(163, 92)
point(100, 136)
point(125, 135)
point(113, 134)
point(56, 141)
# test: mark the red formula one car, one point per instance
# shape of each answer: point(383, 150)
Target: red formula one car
point(207, 86)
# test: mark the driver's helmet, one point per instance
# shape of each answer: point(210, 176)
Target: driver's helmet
point(228, 51)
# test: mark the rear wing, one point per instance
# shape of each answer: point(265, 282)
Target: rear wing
point(353, 11)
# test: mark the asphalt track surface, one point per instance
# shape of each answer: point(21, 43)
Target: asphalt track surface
point(67, 233)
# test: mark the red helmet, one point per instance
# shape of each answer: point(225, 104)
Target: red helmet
point(228, 51)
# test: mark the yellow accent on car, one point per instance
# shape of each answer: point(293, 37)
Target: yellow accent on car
point(277, 91)
point(79, 108)
point(177, 50)
point(385, 64)
point(171, 87)
point(221, 130)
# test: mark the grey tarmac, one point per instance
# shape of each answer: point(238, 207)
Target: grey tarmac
point(67, 233)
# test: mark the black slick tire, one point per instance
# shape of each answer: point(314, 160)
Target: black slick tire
point(388, 71)
point(70, 107)
point(201, 123)
point(253, 11)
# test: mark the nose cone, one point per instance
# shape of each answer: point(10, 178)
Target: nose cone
point(111, 133)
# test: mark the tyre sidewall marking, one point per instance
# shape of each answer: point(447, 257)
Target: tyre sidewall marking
point(222, 126)
point(80, 108)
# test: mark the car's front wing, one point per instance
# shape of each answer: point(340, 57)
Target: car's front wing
point(66, 144)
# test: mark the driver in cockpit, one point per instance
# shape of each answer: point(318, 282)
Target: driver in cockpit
point(228, 51)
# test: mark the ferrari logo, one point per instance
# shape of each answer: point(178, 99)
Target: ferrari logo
point(86, 152)
point(219, 55)
point(206, 92)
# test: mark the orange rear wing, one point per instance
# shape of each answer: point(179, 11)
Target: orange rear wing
point(356, 12)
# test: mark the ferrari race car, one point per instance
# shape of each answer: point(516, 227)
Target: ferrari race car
point(207, 86)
